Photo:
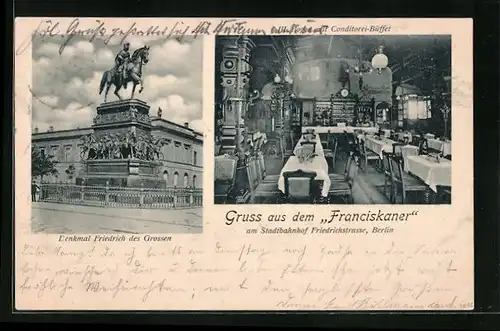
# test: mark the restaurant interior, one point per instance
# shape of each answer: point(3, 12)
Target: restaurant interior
point(333, 119)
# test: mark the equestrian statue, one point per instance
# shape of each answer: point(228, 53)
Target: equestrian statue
point(127, 69)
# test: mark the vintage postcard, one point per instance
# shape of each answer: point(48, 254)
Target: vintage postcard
point(243, 164)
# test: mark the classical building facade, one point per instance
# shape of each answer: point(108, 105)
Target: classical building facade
point(182, 159)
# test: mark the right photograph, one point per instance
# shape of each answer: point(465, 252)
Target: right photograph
point(343, 119)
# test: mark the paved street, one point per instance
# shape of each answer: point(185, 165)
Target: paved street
point(64, 218)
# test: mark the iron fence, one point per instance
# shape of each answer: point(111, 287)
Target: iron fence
point(122, 197)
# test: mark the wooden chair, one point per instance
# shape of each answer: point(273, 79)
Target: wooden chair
point(388, 183)
point(224, 177)
point(343, 187)
point(404, 182)
point(260, 190)
point(286, 152)
point(265, 177)
point(343, 145)
point(416, 139)
point(330, 151)
point(367, 155)
point(292, 139)
point(423, 146)
point(443, 194)
point(331, 156)
point(299, 186)
point(342, 177)
point(254, 178)
point(397, 152)
point(324, 140)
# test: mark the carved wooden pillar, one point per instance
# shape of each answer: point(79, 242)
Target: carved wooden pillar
point(235, 74)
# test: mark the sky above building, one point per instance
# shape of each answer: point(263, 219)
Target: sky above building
point(65, 84)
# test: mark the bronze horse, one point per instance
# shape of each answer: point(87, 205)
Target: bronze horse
point(133, 69)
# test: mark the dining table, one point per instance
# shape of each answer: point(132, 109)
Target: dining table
point(440, 145)
point(379, 145)
point(407, 151)
point(430, 170)
point(317, 164)
point(317, 140)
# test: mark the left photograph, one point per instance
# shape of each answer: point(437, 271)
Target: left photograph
point(117, 135)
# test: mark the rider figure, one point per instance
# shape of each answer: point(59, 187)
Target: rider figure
point(121, 61)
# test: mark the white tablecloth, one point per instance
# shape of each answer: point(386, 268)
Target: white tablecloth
point(408, 150)
point(386, 145)
point(443, 146)
point(318, 164)
point(379, 146)
point(340, 129)
point(318, 149)
point(432, 173)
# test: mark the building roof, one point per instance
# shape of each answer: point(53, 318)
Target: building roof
point(160, 123)
point(157, 123)
point(61, 134)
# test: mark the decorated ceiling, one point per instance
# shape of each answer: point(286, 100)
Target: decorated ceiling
point(318, 63)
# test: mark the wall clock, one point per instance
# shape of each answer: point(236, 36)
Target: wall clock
point(344, 92)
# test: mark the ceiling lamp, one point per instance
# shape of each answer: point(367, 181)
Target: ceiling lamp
point(380, 60)
point(288, 79)
point(277, 79)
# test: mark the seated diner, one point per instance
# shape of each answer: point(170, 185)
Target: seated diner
point(354, 126)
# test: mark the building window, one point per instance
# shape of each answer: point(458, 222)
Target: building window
point(417, 108)
point(422, 109)
point(194, 181)
point(168, 150)
point(165, 176)
point(186, 180)
point(80, 152)
point(315, 73)
point(177, 151)
point(54, 150)
point(67, 154)
point(195, 158)
point(176, 178)
point(186, 155)
point(429, 109)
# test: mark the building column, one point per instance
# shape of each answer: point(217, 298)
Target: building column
point(235, 75)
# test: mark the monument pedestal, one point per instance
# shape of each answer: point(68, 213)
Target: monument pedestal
point(120, 149)
point(123, 173)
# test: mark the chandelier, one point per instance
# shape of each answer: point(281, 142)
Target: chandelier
point(380, 60)
point(288, 79)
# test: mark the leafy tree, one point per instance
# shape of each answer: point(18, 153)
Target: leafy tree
point(42, 164)
point(70, 171)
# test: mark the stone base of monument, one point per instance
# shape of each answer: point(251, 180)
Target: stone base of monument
point(122, 173)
